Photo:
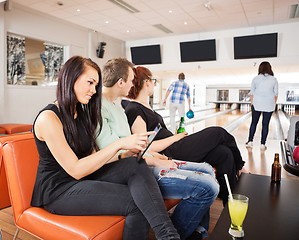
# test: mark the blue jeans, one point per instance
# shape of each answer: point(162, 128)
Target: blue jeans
point(254, 121)
point(196, 185)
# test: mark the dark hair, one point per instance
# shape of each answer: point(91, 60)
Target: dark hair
point(265, 68)
point(88, 114)
point(140, 74)
point(181, 76)
point(115, 69)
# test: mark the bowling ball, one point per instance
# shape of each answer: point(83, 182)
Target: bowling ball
point(190, 114)
point(296, 154)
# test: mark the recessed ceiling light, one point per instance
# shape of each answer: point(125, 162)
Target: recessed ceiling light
point(78, 10)
point(185, 23)
point(128, 31)
point(170, 11)
point(107, 22)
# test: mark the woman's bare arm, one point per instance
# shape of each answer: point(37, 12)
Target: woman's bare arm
point(48, 128)
point(139, 126)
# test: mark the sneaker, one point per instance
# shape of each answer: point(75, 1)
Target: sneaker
point(195, 236)
point(249, 144)
point(263, 147)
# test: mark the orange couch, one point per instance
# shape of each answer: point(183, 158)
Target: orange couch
point(11, 128)
point(4, 197)
point(2, 130)
point(21, 160)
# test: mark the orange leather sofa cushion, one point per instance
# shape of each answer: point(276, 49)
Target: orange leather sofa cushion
point(4, 196)
point(11, 128)
point(2, 130)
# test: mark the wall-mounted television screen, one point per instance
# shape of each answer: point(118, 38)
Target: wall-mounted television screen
point(146, 54)
point(196, 51)
point(255, 46)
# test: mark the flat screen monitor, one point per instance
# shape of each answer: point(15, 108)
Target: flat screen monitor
point(146, 54)
point(197, 51)
point(255, 46)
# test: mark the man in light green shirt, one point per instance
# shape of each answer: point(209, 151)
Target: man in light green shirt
point(176, 179)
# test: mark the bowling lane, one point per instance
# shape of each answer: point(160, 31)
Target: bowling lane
point(259, 161)
point(219, 120)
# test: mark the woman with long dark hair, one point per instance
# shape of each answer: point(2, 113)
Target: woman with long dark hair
point(213, 145)
point(74, 177)
point(263, 96)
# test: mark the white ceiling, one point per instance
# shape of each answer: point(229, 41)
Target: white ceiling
point(188, 16)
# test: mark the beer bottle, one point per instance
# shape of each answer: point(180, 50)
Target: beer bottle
point(276, 169)
point(181, 126)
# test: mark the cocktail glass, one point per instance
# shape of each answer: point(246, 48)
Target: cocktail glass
point(237, 206)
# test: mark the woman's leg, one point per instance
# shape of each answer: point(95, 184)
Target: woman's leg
point(265, 126)
point(90, 197)
point(255, 116)
point(142, 189)
point(197, 191)
point(195, 147)
point(222, 159)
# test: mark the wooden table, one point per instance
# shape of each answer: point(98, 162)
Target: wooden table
point(273, 210)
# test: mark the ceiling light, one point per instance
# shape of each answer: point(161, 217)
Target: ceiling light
point(107, 22)
point(128, 31)
point(294, 11)
point(125, 6)
point(78, 10)
point(162, 28)
point(185, 23)
point(170, 11)
point(208, 5)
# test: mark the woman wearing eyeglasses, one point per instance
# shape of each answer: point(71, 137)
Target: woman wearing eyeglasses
point(213, 145)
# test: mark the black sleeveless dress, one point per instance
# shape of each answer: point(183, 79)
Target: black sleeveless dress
point(51, 179)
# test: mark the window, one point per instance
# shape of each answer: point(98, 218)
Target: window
point(222, 95)
point(32, 62)
point(244, 95)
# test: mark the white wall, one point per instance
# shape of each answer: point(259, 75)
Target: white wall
point(288, 48)
point(225, 70)
point(20, 104)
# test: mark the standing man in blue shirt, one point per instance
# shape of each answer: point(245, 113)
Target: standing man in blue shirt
point(179, 89)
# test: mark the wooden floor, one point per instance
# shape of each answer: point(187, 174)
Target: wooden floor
point(257, 162)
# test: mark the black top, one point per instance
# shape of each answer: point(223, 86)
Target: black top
point(51, 179)
point(151, 118)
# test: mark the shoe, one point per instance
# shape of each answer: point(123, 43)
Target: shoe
point(195, 236)
point(263, 147)
point(249, 144)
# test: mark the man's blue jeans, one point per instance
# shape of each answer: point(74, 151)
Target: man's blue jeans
point(196, 185)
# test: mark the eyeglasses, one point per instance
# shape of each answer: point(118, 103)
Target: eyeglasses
point(152, 79)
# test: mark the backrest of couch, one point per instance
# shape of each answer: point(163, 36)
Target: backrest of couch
point(21, 160)
point(4, 197)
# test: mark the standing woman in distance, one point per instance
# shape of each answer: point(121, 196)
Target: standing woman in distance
point(263, 96)
point(75, 178)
